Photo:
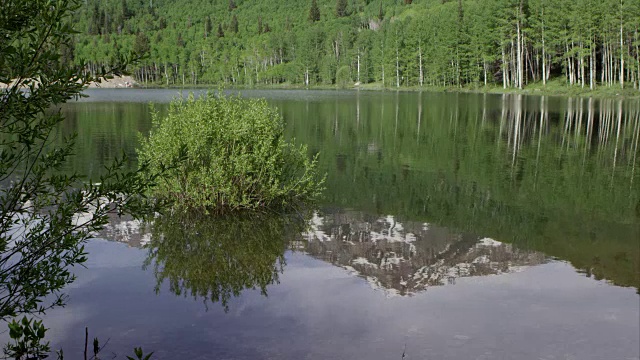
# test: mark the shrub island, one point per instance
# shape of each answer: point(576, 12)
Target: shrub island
point(224, 154)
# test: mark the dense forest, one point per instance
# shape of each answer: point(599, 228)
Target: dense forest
point(392, 43)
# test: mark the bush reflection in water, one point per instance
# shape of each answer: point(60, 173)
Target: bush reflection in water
point(217, 258)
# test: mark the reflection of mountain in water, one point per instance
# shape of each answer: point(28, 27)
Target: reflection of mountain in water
point(406, 258)
point(399, 258)
point(126, 230)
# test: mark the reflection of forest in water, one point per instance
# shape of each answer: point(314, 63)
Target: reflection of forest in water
point(555, 175)
point(545, 174)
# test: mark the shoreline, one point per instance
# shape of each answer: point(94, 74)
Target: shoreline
point(533, 89)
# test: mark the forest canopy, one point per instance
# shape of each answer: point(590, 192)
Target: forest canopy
point(509, 43)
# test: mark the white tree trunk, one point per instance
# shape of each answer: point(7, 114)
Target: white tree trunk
point(621, 50)
point(504, 70)
point(358, 66)
point(519, 50)
point(397, 66)
point(420, 64)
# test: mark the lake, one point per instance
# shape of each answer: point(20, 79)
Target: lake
point(453, 226)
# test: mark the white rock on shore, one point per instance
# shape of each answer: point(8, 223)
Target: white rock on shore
point(116, 82)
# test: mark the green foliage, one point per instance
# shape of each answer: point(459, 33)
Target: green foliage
point(46, 214)
point(139, 355)
point(229, 154)
point(343, 77)
point(314, 12)
point(438, 43)
point(234, 24)
point(27, 336)
point(28, 343)
point(341, 8)
point(141, 44)
point(238, 253)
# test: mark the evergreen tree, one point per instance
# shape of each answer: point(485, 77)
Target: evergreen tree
point(208, 26)
point(180, 41)
point(233, 26)
point(141, 44)
point(341, 8)
point(220, 33)
point(126, 13)
point(314, 12)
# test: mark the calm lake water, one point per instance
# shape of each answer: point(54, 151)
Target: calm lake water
point(454, 226)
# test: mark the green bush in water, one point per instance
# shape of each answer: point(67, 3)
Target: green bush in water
point(227, 154)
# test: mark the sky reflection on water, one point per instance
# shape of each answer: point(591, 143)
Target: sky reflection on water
point(452, 229)
point(319, 311)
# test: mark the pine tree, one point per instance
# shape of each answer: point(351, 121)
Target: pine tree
point(341, 8)
point(314, 12)
point(180, 41)
point(126, 14)
point(141, 44)
point(207, 26)
point(220, 33)
point(233, 27)
point(232, 5)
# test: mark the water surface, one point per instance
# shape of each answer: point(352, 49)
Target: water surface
point(454, 226)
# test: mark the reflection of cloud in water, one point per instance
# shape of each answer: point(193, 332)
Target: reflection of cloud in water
point(406, 258)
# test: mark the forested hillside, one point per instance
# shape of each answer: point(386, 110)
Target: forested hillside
point(394, 43)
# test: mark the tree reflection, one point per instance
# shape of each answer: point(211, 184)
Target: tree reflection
point(217, 258)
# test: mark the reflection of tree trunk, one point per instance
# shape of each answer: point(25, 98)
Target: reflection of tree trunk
point(358, 110)
point(615, 151)
point(335, 121)
point(587, 145)
point(484, 110)
point(419, 116)
point(381, 119)
point(567, 123)
point(636, 134)
point(576, 136)
point(395, 131)
point(543, 115)
point(516, 129)
point(503, 118)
